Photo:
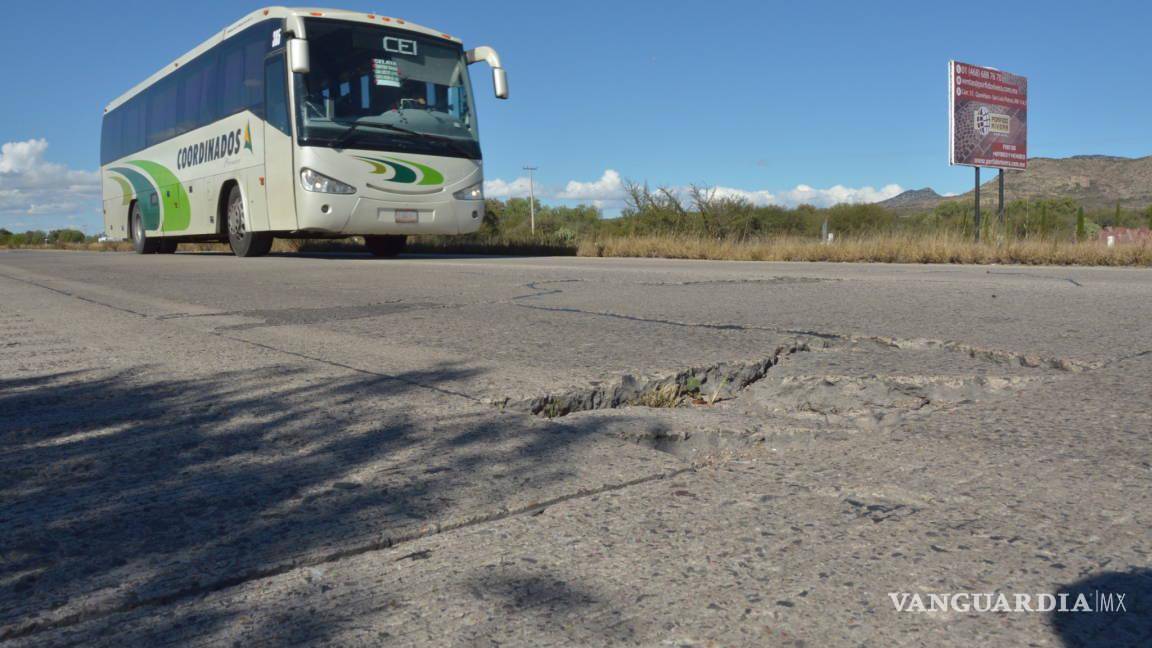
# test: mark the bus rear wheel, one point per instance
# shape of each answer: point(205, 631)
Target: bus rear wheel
point(385, 246)
point(140, 241)
point(244, 242)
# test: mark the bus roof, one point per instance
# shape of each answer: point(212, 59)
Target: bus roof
point(270, 13)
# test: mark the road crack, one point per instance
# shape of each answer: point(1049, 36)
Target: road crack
point(997, 356)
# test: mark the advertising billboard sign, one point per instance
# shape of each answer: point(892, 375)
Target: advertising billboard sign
point(987, 117)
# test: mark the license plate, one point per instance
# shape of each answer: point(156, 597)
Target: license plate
point(407, 216)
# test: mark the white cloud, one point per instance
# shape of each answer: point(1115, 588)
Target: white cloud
point(518, 188)
point(609, 191)
point(759, 198)
point(32, 186)
point(610, 187)
point(805, 195)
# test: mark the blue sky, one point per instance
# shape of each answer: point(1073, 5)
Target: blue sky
point(759, 97)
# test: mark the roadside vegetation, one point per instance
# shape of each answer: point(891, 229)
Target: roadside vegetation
point(703, 224)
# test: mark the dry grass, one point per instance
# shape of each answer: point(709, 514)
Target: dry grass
point(116, 246)
point(541, 245)
point(892, 248)
point(668, 395)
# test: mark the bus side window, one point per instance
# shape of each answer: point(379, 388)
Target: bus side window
point(276, 94)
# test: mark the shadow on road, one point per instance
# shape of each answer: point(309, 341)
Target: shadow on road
point(364, 256)
point(1130, 626)
point(119, 491)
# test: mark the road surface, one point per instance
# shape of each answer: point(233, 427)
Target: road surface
point(207, 450)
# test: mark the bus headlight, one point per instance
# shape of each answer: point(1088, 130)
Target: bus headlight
point(321, 183)
point(475, 192)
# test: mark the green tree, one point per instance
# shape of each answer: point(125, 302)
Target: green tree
point(952, 215)
point(33, 237)
point(1081, 231)
point(493, 214)
point(859, 219)
point(777, 220)
point(66, 236)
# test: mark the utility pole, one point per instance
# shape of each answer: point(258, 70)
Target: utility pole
point(532, 195)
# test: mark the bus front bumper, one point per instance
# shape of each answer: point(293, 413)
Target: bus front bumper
point(358, 216)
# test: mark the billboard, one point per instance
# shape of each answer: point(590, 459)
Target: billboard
point(987, 117)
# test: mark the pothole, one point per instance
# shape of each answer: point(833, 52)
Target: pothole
point(730, 410)
point(711, 384)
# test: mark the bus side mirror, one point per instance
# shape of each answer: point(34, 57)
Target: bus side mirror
point(500, 81)
point(299, 58)
point(499, 76)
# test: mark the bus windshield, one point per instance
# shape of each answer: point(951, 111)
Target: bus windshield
point(384, 89)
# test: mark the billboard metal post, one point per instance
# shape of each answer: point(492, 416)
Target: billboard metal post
point(976, 222)
point(1001, 203)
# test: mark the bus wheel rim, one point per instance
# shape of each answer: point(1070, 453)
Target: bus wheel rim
point(236, 219)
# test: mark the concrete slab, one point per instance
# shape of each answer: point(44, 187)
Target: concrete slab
point(205, 450)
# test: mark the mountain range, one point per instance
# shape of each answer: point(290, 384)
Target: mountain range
point(1095, 181)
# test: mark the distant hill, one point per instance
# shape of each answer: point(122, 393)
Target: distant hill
point(1095, 181)
point(914, 199)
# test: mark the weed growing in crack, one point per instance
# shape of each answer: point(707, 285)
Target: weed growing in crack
point(552, 410)
point(692, 385)
point(716, 394)
point(667, 395)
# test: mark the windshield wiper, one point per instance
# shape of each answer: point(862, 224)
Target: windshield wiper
point(450, 141)
point(353, 125)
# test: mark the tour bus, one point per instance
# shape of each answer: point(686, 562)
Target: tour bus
point(300, 123)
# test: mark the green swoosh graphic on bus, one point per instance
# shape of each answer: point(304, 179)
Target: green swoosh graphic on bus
point(401, 174)
point(430, 176)
point(125, 189)
point(405, 171)
point(177, 211)
point(144, 191)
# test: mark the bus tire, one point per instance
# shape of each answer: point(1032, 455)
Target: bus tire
point(244, 242)
point(140, 241)
point(385, 246)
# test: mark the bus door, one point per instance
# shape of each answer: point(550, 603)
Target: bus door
point(279, 169)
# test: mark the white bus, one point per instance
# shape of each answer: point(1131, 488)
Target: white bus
point(294, 123)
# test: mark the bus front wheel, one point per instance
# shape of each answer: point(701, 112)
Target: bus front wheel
point(244, 242)
point(385, 246)
point(140, 241)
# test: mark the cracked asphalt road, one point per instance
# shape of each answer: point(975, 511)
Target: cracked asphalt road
point(336, 449)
